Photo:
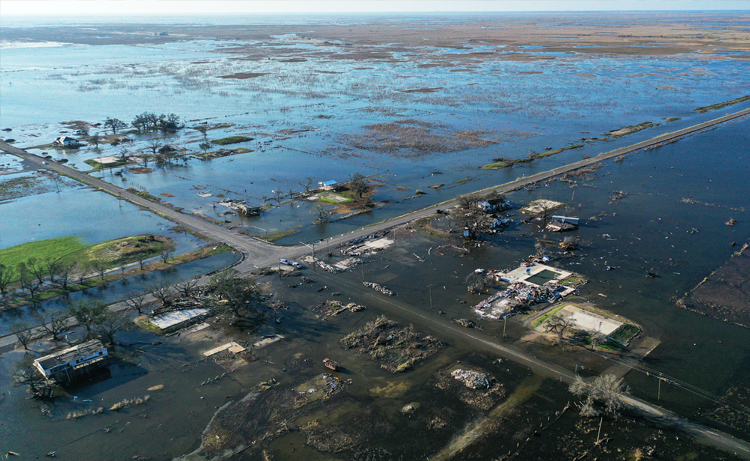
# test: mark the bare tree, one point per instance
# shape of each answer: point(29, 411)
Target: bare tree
point(557, 324)
point(205, 147)
point(37, 268)
point(187, 288)
point(54, 323)
point(110, 324)
point(358, 184)
point(323, 216)
point(26, 280)
point(167, 254)
point(94, 139)
point(234, 295)
point(87, 313)
point(136, 300)
point(6, 276)
point(52, 268)
point(22, 332)
point(203, 129)
point(64, 270)
point(26, 374)
point(99, 267)
point(161, 291)
point(154, 146)
point(114, 124)
point(307, 184)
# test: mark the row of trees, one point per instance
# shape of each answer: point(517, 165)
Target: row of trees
point(94, 316)
point(60, 273)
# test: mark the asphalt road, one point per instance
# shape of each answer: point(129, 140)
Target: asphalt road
point(258, 253)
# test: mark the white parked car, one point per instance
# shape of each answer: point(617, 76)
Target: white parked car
point(296, 264)
point(285, 261)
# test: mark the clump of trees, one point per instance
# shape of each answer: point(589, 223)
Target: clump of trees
point(149, 121)
point(239, 298)
point(358, 184)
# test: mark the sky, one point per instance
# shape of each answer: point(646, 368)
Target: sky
point(172, 7)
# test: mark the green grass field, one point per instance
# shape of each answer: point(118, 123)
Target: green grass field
point(52, 248)
point(71, 250)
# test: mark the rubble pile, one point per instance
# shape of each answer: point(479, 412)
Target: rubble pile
point(327, 267)
point(379, 288)
point(466, 323)
point(397, 349)
point(472, 379)
point(331, 308)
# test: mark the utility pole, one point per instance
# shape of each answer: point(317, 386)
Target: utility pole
point(312, 246)
point(505, 323)
point(658, 394)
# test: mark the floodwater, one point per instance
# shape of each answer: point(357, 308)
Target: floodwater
point(650, 229)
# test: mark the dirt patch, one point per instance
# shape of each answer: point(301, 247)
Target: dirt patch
point(423, 90)
point(244, 75)
point(415, 138)
point(141, 170)
point(166, 194)
point(725, 294)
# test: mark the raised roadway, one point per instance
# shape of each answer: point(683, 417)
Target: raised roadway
point(258, 253)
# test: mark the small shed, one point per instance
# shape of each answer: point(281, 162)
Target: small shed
point(67, 363)
point(328, 185)
point(66, 141)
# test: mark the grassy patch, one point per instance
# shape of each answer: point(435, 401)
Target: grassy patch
point(557, 151)
point(144, 323)
point(625, 333)
point(346, 199)
point(144, 194)
point(505, 163)
point(672, 119)
point(231, 140)
point(273, 236)
point(573, 281)
point(544, 317)
point(461, 181)
point(626, 130)
point(44, 249)
point(721, 105)
point(100, 166)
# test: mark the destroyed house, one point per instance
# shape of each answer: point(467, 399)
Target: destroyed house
point(64, 364)
point(495, 204)
point(562, 223)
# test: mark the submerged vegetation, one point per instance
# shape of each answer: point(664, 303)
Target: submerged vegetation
point(721, 105)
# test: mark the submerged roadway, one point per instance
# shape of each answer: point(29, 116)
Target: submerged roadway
point(259, 253)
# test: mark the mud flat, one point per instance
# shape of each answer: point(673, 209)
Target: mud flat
point(725, 294)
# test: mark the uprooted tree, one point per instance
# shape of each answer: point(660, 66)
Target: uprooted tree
point(238, 297)
point(26, 374)
point(602, 395)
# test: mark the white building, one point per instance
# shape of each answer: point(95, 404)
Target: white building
point(66, 141)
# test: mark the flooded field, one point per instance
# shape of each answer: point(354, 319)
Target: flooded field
point(409, 110)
